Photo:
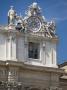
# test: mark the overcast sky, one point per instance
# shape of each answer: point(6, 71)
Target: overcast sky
point(51, 9)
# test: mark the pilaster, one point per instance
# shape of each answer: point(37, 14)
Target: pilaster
point(11, 47)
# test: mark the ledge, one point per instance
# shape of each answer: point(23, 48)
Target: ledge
point(24, 66)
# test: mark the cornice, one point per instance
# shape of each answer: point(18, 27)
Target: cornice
point(24, 66)
point(9, 29)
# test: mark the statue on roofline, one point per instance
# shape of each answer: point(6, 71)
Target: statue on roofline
point(51, 27)
point(11, 16)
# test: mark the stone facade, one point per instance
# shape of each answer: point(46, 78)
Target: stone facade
point(28, 59)
point(63, 78)
point(17, 75)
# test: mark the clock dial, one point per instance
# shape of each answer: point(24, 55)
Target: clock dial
point(34, 24)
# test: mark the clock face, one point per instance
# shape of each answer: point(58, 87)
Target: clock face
point(34, 24)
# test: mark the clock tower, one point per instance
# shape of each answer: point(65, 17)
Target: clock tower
point(30, 39)
point(28, 57)
point(39, 39)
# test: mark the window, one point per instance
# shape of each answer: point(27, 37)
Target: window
point(33, 50)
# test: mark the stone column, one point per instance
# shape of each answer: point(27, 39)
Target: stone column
point(44, 52)
point(41, 53)
point(26, 47)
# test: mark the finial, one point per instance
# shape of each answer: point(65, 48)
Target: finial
point(20, 15)
point(34, 5)
point(11, 7)
point(43, 18)
point(34, 9)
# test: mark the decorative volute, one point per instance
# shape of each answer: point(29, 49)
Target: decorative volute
point(19, 19)
point(19, 23)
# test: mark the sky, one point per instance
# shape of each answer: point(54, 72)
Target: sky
point(51, 9)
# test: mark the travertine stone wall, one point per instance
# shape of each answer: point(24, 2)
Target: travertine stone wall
point(15, 47)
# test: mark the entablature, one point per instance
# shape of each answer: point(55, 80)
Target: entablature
point(36, 35)
point(25, 66)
